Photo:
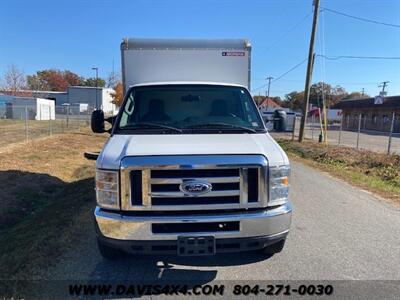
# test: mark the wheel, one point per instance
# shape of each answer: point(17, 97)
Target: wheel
point(274, 248)
point(108, 252)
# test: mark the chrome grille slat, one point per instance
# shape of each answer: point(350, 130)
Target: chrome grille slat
point(231, 179)
point(209, 194)
point(165, 186)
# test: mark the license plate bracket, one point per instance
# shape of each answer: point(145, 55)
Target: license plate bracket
point(196, 245)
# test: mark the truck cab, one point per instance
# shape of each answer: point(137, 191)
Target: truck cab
point(189, 168)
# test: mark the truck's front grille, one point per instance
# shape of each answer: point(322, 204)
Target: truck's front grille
point(163, 187)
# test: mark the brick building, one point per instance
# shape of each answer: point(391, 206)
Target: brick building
point(376, 113)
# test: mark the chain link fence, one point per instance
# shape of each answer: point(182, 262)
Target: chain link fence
point(22, 123)
point(374, 133)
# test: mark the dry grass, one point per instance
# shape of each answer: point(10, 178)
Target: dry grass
point(375, 172)
point(47, 186)
point(13, 131)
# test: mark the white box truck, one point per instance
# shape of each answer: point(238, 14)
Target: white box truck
point(189, 168)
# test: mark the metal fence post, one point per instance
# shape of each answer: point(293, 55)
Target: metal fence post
point(294, 127)
point(340, 129)
point(312, 126)
point(67, 116)
point(391, 132)
point(79, 118)
point(62, 124)
point(49, 120)
point(359, 128)
point(26, 123)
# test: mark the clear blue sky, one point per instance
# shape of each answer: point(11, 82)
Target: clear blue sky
point(78, 35)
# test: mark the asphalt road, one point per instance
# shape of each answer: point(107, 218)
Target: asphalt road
point(338, 232)
point(372, 141)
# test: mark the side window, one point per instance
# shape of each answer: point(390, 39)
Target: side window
point(128, 110)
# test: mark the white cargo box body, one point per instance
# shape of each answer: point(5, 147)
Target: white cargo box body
point(197, 60)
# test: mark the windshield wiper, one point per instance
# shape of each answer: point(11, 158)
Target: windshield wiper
point(247, 129)
point(150, 124)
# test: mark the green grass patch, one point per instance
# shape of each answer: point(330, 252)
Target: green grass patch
point(43, 235)
point(373, 171)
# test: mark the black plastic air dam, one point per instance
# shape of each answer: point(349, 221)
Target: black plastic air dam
point(195, 227)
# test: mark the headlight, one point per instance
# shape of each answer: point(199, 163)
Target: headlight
point(278, 185)
point(107, 190)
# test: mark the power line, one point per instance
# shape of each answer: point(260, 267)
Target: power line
point(331, 58)
point(357, 57)
point(289, 31)
point(359, 18)
point(354, 83)
point(290, 70)
point(284, 74)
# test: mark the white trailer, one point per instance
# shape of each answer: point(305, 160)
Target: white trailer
point(201, 60)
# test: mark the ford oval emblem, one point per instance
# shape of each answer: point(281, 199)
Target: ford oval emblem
point(195, 187)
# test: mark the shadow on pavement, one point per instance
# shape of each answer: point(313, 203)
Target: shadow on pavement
point(155, 268)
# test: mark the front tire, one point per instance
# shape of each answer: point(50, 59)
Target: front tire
point(108, 252)
point(274, 248)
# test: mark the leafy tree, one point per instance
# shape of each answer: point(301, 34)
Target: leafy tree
point(91, 81)
point(356, 95)
point(34, 82)
point(118, 94)
point(294, 100)
point(72, 79)
point(321, 90)
point(318, 91)
point(53, 80)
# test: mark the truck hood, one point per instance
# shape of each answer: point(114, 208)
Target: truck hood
point(120, 146)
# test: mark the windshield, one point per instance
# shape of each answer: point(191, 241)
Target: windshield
point(194, 108)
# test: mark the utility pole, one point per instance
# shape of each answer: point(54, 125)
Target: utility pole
point(362, 93)
point(309, 71)
point(269, 84)
point(383, 85)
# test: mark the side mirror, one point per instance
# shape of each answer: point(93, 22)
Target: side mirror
point(97, 122)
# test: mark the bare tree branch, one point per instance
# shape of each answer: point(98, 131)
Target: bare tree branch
point(14, 79)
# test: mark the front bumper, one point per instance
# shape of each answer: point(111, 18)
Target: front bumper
point(252, 224)
point(224, 245)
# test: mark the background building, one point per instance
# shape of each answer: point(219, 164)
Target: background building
point(376, 113)
point(268, 105)
point(76, 95)
point(31, 108)
point(95, 97)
